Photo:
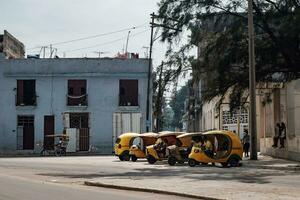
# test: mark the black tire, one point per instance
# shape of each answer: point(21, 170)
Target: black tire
point(126, 156)
point(121, 158)
point(171, 160)
point(57, 153)
point(151, 159)
point(133, 158)
point(233, 162)
point(192, 163)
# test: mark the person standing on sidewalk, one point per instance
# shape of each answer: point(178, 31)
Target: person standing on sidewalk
point(246, 142)
point(277, 134)
point(282, 136)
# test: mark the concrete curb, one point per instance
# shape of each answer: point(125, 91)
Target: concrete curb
point(136, 189)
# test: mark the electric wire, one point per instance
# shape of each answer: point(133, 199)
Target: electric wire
point(106, 43)
point(91, 37)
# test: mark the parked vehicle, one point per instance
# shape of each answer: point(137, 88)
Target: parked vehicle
point(122, 145)
point(158, 150)
point(60, 148)
point(139, 150)
point(227, 150)
point(179, 153)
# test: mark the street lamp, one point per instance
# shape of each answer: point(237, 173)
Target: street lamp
point(252, 83)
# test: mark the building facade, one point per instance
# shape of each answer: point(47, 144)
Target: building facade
point(92, 100)
point(10, 46)
point(279, 103)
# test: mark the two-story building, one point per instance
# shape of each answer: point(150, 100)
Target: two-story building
point(93, 100)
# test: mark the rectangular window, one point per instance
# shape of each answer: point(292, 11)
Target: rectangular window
point(26, 95)
point(77, 93)
point(128, 93)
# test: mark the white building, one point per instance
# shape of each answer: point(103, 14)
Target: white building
point(94, 100)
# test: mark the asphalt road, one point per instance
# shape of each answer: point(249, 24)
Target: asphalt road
point(16, 188)
point(23, 177)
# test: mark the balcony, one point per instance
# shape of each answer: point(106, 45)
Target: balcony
point(81, 100)
point(26, 101)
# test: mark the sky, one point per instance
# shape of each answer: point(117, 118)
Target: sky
point(39, 23)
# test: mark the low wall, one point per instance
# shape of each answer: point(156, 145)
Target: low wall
point(290, 152)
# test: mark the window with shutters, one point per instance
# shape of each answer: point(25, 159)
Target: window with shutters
point(77, 95)
point(128, 93)
point(26, 94)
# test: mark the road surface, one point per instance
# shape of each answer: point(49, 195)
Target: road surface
point(16, 188)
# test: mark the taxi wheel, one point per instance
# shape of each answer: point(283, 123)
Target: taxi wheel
point(121, 158)
point(126, 157)
point(133, 158)
point(151, 159)
point(233, 162)
point(192, 163)
point(172, 160)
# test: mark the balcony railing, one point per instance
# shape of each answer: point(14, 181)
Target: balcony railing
point(81, 100)
point(129, 100)
point(28, 101)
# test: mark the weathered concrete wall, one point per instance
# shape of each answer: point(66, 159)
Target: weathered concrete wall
point(51, 77)
point(11, 47)
point(290, 114)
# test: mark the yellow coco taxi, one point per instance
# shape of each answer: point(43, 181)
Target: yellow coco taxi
point(181, 150)
point(139, 144)
point(226, 148)
point(123, 144)
point(158, 150)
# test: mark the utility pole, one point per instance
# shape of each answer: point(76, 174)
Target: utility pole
point(252, 83)
point(152, 40)
point(148, 123)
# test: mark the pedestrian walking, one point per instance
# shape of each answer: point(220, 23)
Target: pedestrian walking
point(246, 142)
point(277, 134)
point(282, 135)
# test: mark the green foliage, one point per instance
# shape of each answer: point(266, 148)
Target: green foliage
point(221, 29)
point(177, 105)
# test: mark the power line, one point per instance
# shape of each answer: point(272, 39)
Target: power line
point(90, 37)
point(105, 43)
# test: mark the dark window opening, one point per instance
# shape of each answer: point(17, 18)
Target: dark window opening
point(128, 93)
point(26, 95)
point(70, 91)
point(77, 95)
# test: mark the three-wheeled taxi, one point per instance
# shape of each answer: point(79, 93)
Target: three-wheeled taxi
point(157, 151)
point(181, 150)
point(226, 149)
point(139, 144)
point(122, 145)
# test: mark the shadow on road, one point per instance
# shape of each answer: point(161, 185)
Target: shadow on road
point(198, 173)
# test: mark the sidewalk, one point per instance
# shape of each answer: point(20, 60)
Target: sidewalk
point(267, 162)
point(267, 178)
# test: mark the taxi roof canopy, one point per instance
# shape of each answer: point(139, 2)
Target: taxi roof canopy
point(190, 134)
point(169, 133)
point(129, 135)
point(149, 134)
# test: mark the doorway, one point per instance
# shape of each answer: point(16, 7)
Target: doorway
point(25, 134)
point(49, 130)
point(80, 121)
